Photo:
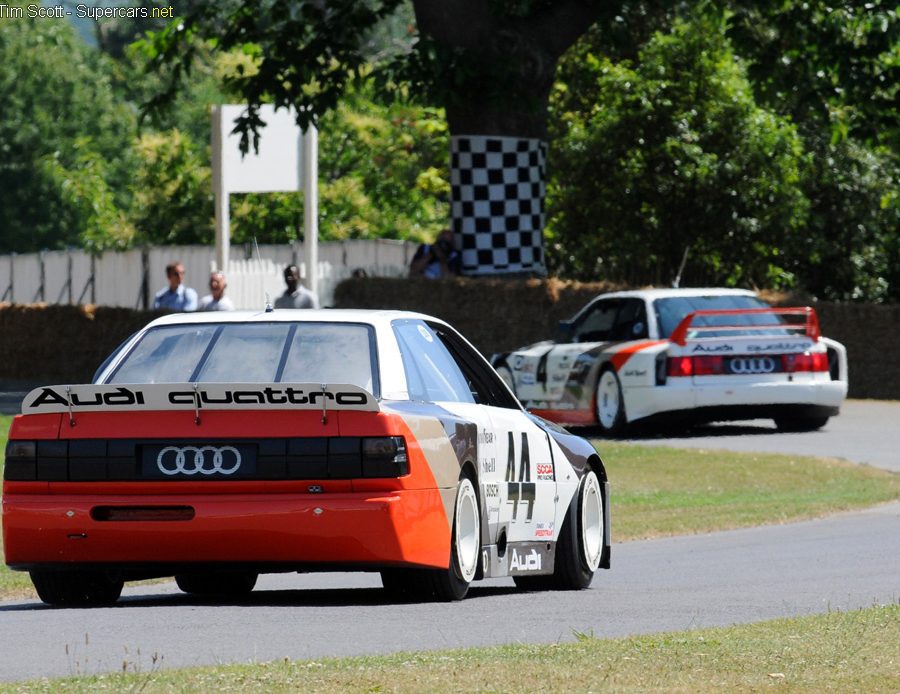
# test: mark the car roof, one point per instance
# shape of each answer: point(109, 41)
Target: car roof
point(652, 293)
point(377, 317)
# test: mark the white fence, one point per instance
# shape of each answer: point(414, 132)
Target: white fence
point(131, 278)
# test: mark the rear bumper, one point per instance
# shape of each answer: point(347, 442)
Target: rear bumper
point(407, 527)
point(734, 401)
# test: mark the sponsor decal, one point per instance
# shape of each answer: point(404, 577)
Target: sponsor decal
point(527, 379)
point(544, 530)
point(492, 491)
point(780, 347)
point(423, 331)
point(635, 373)
point(560, 377)
point(525, 562)
point(488, 465)
point(545, 471)
point(712, 349)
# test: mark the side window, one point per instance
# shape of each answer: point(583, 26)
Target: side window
point(485, 385)
point(598, 323)
point(631, 321)
point(432, 374)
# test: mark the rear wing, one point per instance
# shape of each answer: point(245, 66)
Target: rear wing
point(325, 397)
point(800, 320)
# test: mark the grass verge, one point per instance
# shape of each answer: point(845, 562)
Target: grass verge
point(851, 651)
point(673, 491)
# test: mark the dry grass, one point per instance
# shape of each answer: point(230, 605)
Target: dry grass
point(837, 652)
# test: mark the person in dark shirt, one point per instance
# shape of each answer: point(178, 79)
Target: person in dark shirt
point(438, 259)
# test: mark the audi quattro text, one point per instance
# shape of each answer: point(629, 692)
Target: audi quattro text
point(215, 447)
point(690, 355)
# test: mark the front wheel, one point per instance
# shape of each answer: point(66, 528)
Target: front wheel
point(610, 404)
point(77, 588)
point(580, 545)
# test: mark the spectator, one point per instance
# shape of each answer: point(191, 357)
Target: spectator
point(216, 299)
point(436, 260)
point(296, 295)
point(177, 296)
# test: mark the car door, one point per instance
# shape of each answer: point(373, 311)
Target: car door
point(519, 481)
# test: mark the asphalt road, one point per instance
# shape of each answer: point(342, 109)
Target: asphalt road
point(840, 563)
point(866, 431)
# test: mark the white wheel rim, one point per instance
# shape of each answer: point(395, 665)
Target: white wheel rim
point(607, 399)
point(468, 530)
point(591, 521)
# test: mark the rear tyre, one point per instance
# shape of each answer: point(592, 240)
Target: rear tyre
point(77, 588)
point(580, 545)
point(801, 422)
point(453, 582)
point(217, 583)
point(610, 405)
point(402, 583)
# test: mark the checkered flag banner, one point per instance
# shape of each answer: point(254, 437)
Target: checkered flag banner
point(497, 203)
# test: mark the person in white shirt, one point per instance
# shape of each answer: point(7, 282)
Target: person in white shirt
point(216, 299)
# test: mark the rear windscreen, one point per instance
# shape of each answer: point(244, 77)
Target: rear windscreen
point(670, 312)
point(253, 353)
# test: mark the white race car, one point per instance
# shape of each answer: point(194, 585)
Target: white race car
point(690, 355)
point(216, 446)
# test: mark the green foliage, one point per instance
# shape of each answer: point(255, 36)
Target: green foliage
point(669, 152)
point(173, 200)
point(383, 170)
point(833, 66)
point(304, 53)
point(65, 141)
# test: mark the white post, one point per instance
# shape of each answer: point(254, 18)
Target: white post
point(220, 195)
point(311, 206)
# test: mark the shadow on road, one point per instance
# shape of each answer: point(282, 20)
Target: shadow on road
point(314, 597)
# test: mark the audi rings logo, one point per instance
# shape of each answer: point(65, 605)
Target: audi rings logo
point(752, 365)
point(204, 460)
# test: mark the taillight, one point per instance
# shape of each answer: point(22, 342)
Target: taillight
point(709, 366)
point(808, 361)
point(696, 366)
point(680, 366)
point(384, 457)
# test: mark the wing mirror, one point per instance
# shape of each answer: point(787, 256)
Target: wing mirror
point(565, 330)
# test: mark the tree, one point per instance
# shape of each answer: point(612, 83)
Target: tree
point(65, 139)
point(667, 155)
point(489, 63)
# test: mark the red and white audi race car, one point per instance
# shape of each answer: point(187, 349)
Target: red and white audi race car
point(689, 355)
point(213, 447)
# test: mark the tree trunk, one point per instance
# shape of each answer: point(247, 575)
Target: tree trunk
point(497, 70)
